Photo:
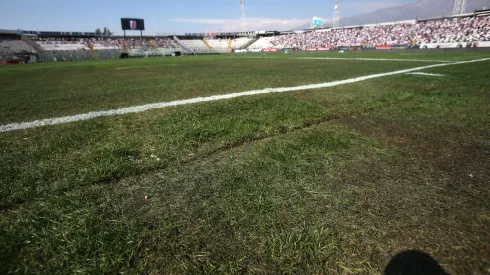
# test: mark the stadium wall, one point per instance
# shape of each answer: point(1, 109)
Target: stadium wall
point(55, 56)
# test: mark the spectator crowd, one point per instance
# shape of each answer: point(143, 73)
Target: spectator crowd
point(462, 30)
point(111, 42)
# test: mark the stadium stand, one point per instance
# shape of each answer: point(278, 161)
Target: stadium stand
point(164, 43)
point(5, 49)
point(462, 31)
point(103, 43)
point(105, 48)
point(456, 32)
point(262, 43)
point(14, 50)
point(19, 46)
point(219, 45)
point(198, 46)
point(62, 46)
point(242, 43)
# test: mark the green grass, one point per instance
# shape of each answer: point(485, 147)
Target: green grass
point(50, 90)
point(334, 180)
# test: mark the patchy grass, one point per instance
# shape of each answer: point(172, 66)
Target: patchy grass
point(334, 180)
point(98, 151)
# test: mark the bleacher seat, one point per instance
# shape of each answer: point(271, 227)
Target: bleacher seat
point(262, 43)
point(219, 45)
point(241, 43)
point(197, 45)
point(18, 46)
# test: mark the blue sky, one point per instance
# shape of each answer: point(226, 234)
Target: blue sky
point(174, 16)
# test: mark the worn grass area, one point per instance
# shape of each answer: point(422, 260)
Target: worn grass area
point(334, 180)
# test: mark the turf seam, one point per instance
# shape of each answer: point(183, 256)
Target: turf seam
point(184, 161)
point(162, 105)
point(303, 126)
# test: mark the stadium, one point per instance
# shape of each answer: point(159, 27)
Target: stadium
point(330, 148)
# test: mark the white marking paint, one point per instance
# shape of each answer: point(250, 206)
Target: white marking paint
point(161, 105)
point(375, 59)
point(427, 74)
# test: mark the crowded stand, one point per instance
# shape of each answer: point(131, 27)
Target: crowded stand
point(464, 31)
point(103, 43)
point(165, 43)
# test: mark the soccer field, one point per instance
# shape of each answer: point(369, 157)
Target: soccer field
point(277, 163)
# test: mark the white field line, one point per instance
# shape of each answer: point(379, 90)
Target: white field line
point(375, 59)
point(161, 105)
point(426, 74)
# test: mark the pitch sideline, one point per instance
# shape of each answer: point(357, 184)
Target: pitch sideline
point(374, 59)
point(161, 105)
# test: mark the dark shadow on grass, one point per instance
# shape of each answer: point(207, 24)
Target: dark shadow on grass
point(414, 262)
